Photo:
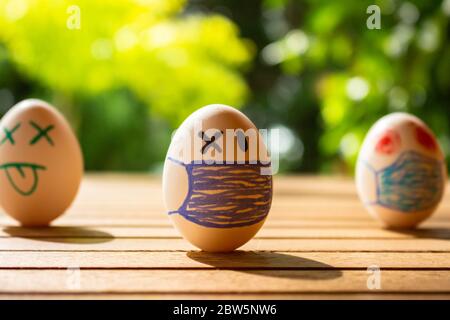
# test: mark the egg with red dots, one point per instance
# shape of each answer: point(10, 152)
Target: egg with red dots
point(400, 172)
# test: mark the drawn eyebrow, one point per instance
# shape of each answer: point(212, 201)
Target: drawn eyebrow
point(42, 133)
point(9, 134)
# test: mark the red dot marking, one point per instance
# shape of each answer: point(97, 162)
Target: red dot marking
point(389, 142)
point(425, 138)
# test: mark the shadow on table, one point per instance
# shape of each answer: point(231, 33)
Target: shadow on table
point(424, 233)
point(60, 234)
point(269, 264)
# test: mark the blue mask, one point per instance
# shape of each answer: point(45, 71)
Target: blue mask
point(226, 195)
point(414, 182)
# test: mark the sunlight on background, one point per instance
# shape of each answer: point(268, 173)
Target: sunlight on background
point(134, 69)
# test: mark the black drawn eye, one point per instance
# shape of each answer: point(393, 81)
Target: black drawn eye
point(42, 133)
point(210, 141)
point(242, 140)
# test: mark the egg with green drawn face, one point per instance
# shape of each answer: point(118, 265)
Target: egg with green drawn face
point(41, 164)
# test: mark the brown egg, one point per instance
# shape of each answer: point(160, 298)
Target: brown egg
point(217, 183)
point(40, 163)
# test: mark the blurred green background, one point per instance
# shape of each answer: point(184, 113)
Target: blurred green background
point(127, 72)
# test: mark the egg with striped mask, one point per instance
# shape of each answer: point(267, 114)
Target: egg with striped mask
point(401, 171)
point(217, 180)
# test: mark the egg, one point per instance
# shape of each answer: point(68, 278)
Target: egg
point(40, 163)
point(401, 172)
point(217, 181)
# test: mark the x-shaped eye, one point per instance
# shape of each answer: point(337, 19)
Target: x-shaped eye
point(42, 133)
point(9, 134)
point(210, 142)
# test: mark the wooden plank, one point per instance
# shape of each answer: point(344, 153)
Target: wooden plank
point(224, 281)
point(294, 211)
point(287, 192)
point(226, 296)
point(118, 233)
point(170, 232)
point(291, 184)
point(280, 205)
point(111, 244)
point(236, 260)
point(87, 222)
point(298, 215)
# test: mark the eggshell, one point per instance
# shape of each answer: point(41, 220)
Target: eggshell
point(215, 206)
point(40, 163)
point(401, 172)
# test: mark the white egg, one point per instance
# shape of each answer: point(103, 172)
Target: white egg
point(41, 164)
point(214, 199)
point(401, 172)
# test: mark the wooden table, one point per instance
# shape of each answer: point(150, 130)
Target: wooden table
point(318, 242)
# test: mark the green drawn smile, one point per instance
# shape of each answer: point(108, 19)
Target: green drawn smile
point(21, 167)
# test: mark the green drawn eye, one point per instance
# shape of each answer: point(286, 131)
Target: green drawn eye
point(9, 135)
point(42, 133)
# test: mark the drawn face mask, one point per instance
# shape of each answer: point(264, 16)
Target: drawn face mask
point(412, 183)
point(226, 195)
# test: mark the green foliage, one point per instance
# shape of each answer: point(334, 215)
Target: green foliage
point(175, 63)
point(353, 75)
point(137, 68)
point(373, 72)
